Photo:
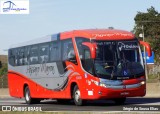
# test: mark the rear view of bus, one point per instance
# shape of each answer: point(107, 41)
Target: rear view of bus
point(79, 65)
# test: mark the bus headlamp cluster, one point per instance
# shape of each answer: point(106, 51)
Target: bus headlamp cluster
point(143, 82)
point(120, 86)
point(96, 82)
point(142, 79)
point(109, 83)
point(102, 84)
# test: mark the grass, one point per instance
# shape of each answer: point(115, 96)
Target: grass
point(153, 78)
point(4, 82)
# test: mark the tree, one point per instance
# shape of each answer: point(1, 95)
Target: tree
point(150, 21)
point(0, 64)
point(3, 70)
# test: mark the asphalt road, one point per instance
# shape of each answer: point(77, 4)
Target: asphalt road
point(101, 105)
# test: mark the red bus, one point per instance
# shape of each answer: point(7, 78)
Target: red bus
point(80, 65)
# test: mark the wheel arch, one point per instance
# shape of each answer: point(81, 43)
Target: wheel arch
point(24, 86)
point(73, 84)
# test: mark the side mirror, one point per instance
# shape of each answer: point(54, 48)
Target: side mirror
point(92, 48)
point(148, 47)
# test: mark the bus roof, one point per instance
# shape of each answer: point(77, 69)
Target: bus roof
point(48, 38)
point(98, 34)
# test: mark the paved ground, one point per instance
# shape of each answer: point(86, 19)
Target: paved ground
point(143, 104)
point(153, 90)
point(150, 101)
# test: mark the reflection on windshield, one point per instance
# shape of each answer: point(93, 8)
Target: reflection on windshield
point(114, 59)
point(106, 57)
point(118, 59)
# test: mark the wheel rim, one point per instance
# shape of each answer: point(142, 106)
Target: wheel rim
point(27, 95)
point(77, 95)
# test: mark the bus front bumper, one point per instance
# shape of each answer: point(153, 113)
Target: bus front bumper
point(110, 93)
point(121, 93)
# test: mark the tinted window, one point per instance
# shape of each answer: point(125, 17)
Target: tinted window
point(21, 56)
point(11, 57)
point(84, 54)
point(80, 47)
point(44, 53)
point(68, 52)
point(34, 55)
point(14, 57)
point(55, 53)
point(26, 55)
point(16, 52)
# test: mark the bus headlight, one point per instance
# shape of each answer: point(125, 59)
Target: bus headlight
point(143, 82)
point(96, 82)
point(102, 85)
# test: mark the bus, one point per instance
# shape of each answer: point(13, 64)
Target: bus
point(78, 65)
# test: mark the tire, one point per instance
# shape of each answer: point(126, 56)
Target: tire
point(28, 98)
point(77, 97)
point(119, 101)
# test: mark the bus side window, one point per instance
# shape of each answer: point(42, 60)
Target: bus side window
point(55, 51)
point(11, 57)
point(79, 42)
point(87, 61)
point(68, 51)
point(85, 55)
point(33, 55)
point(26, 55)
point(16, 56)
point(44, 53)
point(21, 56)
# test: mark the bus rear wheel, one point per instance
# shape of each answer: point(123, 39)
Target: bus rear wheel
point(77, 97)
point(28, 98)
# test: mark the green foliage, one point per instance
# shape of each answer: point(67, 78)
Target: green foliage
point(3, 76)
point(3, 70)
point(150, 21)
point(0, 64)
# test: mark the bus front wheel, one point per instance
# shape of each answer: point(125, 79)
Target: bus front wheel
point(28, 98)
point(77, 97)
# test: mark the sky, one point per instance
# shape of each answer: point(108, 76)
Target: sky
point(53, 16)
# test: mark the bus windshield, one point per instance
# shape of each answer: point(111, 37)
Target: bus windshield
point(114, 59)
point(118, 59)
